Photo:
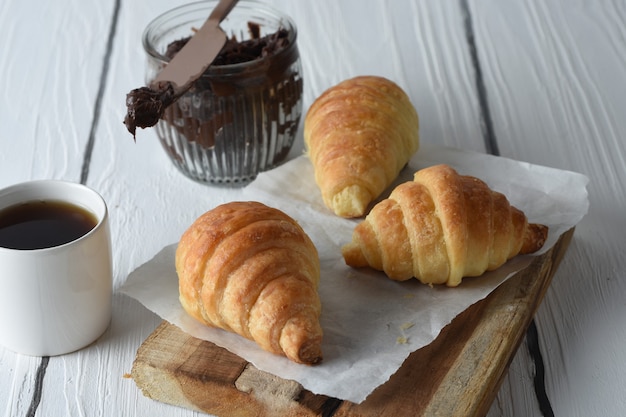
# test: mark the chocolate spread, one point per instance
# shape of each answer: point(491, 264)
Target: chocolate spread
point(147, 105)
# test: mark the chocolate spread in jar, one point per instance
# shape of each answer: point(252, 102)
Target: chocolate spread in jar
point(273, 73)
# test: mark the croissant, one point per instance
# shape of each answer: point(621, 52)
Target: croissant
point(252, 270)
point(359, 134)
point(442, 227)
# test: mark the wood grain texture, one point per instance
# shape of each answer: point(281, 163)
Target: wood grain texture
point(465, 363)
point(48, 84)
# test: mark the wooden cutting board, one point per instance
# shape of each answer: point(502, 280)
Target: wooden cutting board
point(456, 375)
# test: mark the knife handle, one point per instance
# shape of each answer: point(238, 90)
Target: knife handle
point(222, 9)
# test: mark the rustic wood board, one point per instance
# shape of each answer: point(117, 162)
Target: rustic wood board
point(457, 375)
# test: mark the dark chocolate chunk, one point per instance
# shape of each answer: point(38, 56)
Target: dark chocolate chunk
point(146, 106)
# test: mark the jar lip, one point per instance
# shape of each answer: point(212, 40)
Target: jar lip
point(285, 20)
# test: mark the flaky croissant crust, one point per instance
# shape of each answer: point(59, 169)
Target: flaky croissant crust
point(359, 134)
point(442, 227)
point(251, 269)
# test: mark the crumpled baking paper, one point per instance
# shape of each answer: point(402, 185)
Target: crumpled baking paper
point(371, 324)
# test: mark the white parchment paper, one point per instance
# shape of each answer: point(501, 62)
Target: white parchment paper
point(371, 324)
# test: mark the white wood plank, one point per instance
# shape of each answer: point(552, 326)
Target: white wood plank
point(17, 387)
point(552, 71)
point(50, 62)
point(419, 44)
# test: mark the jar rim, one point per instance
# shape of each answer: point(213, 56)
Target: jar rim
point(208, 5)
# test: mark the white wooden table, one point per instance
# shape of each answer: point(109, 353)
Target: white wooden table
point(534, 80)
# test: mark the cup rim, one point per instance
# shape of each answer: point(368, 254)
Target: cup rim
point(208, 5)
point(24, 186)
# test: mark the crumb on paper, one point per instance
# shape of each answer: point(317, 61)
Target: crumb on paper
point(127, 375)
point(403, 339)
point(407, 325)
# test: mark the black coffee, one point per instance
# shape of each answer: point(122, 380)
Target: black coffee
point(43, 224)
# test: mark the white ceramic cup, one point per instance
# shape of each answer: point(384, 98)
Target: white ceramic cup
point(56, 300)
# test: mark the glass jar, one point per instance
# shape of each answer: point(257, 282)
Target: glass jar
point(238, 119)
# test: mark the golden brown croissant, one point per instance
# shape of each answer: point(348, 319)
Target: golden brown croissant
point(359, 134)
point(442, 227)
point(251, 269)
